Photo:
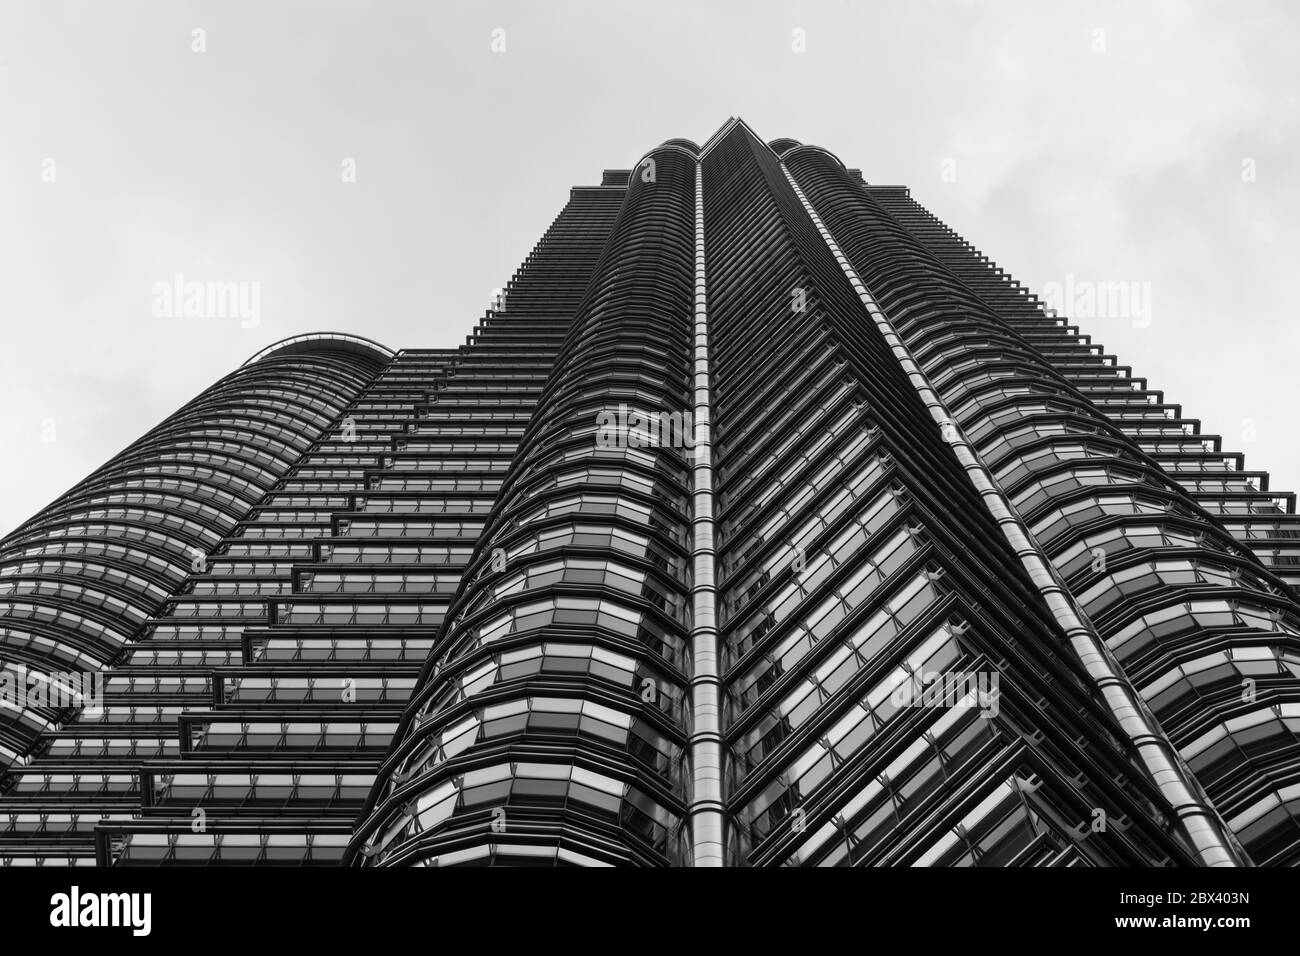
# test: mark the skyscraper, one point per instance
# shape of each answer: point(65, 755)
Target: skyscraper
point(761, 521)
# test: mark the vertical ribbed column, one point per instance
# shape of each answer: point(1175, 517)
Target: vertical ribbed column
point(707, 813)
point(1200, 822)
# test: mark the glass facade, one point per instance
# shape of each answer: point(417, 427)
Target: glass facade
point(762, 521)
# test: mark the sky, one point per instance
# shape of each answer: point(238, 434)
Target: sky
point(380, 169)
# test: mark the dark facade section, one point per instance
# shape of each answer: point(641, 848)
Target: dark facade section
point(855, 558)
point(79, 580)
point(246, 725)
point(1259, 517)
point(1197, 622)
point(548, 726)
point(280, 762)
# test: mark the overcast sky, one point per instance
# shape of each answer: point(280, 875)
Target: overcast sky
point(1141, 142)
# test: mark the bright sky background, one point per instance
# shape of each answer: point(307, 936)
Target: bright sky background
point(1111, 156)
